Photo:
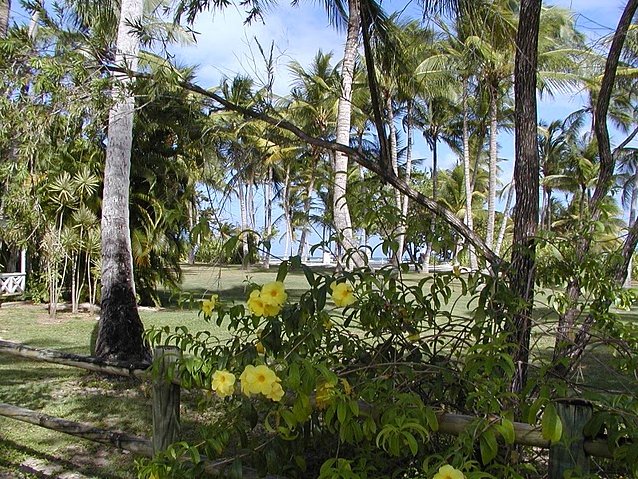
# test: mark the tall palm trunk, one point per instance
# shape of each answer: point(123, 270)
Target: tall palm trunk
point(394, 158)
point(120, 331)
point(469, 219)
point(633, 213)
point(268, 217)
point(491, 199)
point(286, 207)
point(341, 213)
point(243, 218)
point(435, 195)
point(5, 10)
point(405, 201)
point(506, 212)
point(303, 240)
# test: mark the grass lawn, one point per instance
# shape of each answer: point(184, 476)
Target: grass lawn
point(117, 403)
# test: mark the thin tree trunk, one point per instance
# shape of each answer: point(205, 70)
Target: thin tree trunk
point(120, 330)
point(491, 198)
point(405, 201)
point(286, 205)
point(526, 173)
point(341, 212)
point(506, 212)
point(632, 219)
point(268, 217)
point(394, 159)
point(469, 219)
point(565, 348)
point(303, 246)
point(243, 218)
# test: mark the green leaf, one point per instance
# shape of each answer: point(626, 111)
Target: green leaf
point(282, 272)
point(551, 425)
point(488, 446)
point(506, 429)
point(432, 420)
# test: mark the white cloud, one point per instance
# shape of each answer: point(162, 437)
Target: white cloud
point(226, 47)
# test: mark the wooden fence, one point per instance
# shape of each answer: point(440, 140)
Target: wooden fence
point(572, 452)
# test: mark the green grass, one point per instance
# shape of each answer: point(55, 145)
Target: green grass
point(115, 403)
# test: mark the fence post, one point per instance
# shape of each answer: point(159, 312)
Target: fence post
point(569, 453)
point(166, 395)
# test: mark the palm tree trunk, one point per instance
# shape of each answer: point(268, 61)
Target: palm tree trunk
point(5, 10)
point(633, 211)
point(526, 176)
point(303, 240)
point(491, 199)
point(469, 220)
point(268, 217)
point(342, 220)
point(120, 331)
point(405, 201)
point(506, 210)
point(394, 158)
point(243, 218)
point(286, 207)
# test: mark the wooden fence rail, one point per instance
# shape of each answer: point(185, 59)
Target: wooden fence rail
point(572, 453)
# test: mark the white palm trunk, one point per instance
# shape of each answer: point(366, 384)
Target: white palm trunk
point(491, 200)
point(633, 214)
point(405, 201)
point(469, 220)
point(341, 212)
point(120, 329)
point(506, 211)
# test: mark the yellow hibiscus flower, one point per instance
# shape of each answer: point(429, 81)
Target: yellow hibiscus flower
point(258, 380)
point(208, 305)
point(274, 293)
point(448, 472)
point(223, 383)
point(324, 394)
point(276, 391)
point(342, 294)
point(256, 304)
point(270, 309)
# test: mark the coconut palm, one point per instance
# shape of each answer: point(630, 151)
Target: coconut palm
point(120, 329)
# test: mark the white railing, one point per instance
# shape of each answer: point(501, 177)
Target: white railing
point(12, 283)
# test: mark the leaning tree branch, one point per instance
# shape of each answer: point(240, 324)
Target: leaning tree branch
point(388, 177)
point(607, 160)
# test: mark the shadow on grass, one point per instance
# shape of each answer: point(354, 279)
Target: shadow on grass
point(14, 454)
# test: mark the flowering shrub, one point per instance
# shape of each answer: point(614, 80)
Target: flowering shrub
point(356, 389)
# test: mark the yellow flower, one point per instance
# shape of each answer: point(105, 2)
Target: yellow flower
point(209, 304)
point(258, 380)
point(247, 378)
point(260, 348)
point(274, 293)
point(448, 472)
point(255, 303)
point(223, 383)
point(324, 395)
point(342, 294)
point(269, 308)
point(276, 391)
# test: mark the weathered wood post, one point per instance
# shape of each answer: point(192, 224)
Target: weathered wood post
point(166, 397)
point(569, 453)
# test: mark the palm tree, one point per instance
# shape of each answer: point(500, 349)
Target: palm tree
point(341, 212)
point(120, 330)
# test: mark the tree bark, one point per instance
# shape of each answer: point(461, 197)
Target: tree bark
point(5, 10)
point(341, 212)
point(469, 220)
point(491, 198)
point(526, 174)
point(120, 331)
